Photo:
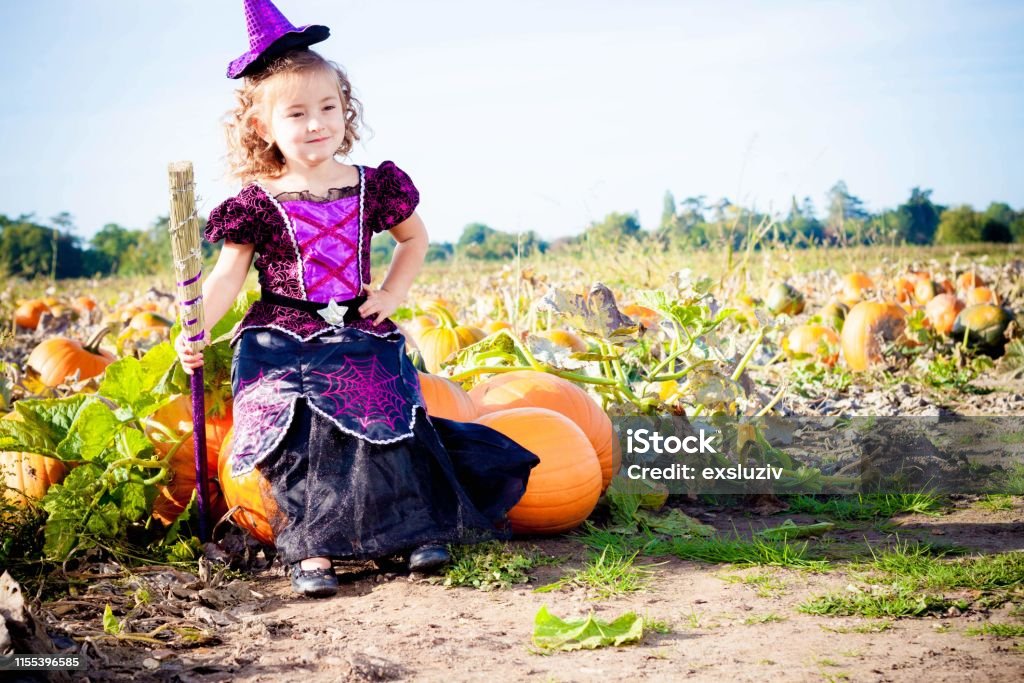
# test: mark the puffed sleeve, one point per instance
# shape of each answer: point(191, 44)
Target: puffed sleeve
point(243, 219)
point(391, 197)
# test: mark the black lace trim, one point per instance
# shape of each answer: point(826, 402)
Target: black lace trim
point(333, 194)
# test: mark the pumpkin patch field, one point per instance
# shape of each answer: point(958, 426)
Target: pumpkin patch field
point(607, 576)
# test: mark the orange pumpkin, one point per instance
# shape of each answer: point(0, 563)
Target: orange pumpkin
point(445, 398)
point(645, 316)
point(27, 314)
point(941, 312)
point(27, 476)
point(563, 489)
point(496, 325)
point(147, 320)
point(854, 285)
point(981, 295)
point(84, 304)
point(438, 343)
point(175, 492)
point(968, 281)
point(812, 342)
point(868, 326)
point(905, 285)
point(565, 339)
point(57, 358)
point(251, 493)
point(177, 417)
point(528, 388)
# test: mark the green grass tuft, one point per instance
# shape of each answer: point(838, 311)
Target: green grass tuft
point(867, 627)
point(867, 506)
point(606, 575)
point(995, 502)
point(892, 603)
point(492, 565)
point(997, 630)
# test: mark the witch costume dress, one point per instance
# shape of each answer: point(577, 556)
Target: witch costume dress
point(327, 405)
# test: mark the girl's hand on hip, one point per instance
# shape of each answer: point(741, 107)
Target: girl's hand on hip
point(379, 302)
point(189, 359)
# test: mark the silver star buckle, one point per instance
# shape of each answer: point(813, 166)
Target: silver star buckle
point(333, 313)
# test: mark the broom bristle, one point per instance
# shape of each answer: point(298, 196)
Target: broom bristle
point(187, 251)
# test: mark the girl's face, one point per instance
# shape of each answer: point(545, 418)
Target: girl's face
point(307, 119)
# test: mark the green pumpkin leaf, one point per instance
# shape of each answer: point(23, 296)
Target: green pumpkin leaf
point(18, 436)
point(91, 433)
point(133, 499)
point(552, 633)
point(52, 417)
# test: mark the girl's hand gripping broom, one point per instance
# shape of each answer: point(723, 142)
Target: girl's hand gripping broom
point(188, 271)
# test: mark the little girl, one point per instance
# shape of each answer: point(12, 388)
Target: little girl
point(327, 405)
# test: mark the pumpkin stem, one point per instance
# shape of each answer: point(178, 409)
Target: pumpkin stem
point(93, 345)
point(447, 320)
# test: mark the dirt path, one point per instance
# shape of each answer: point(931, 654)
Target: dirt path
point(386, 626)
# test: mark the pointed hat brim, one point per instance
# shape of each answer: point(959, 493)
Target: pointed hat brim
point(254, 61)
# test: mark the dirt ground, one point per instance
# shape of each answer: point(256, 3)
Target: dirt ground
point(392, 626)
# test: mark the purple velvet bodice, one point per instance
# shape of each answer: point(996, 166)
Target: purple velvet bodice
point(314, 248)
point(328, 237)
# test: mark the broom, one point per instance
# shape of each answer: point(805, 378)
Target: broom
point(188, 271)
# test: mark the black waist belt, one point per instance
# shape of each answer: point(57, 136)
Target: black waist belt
point(351, 315)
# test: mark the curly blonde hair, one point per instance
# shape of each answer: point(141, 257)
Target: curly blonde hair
point(249, 156)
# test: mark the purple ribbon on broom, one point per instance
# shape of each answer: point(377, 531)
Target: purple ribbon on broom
point(185, 247)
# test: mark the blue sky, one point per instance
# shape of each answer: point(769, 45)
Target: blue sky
point(534, 115)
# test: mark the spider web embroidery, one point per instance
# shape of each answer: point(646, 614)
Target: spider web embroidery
point(366, 391)
point(258, 409)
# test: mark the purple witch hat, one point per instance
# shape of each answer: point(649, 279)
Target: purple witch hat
point(270, 36)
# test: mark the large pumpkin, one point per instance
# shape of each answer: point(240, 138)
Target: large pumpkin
point(57, 358)
point(25, 476)
point(528, 388)
point(250, 493)
point(563, 489)
point(868, 326)
point(445, 398)
point(175, 492)
point(176, 416)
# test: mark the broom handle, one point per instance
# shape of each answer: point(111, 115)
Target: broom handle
point(188, 263)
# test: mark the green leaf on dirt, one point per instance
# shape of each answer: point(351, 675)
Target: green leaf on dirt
point(790, 529)
point(111, 624)
point(552, 633)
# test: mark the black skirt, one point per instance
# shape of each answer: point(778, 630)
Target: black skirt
point(340, 496)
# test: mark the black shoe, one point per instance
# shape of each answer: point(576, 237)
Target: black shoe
point(321, 582)
point(428, 558)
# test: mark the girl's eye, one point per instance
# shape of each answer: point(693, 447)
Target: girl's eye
point(329, 107)
point(295, 115)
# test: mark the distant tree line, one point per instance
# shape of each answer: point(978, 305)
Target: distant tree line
point(32, 249)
